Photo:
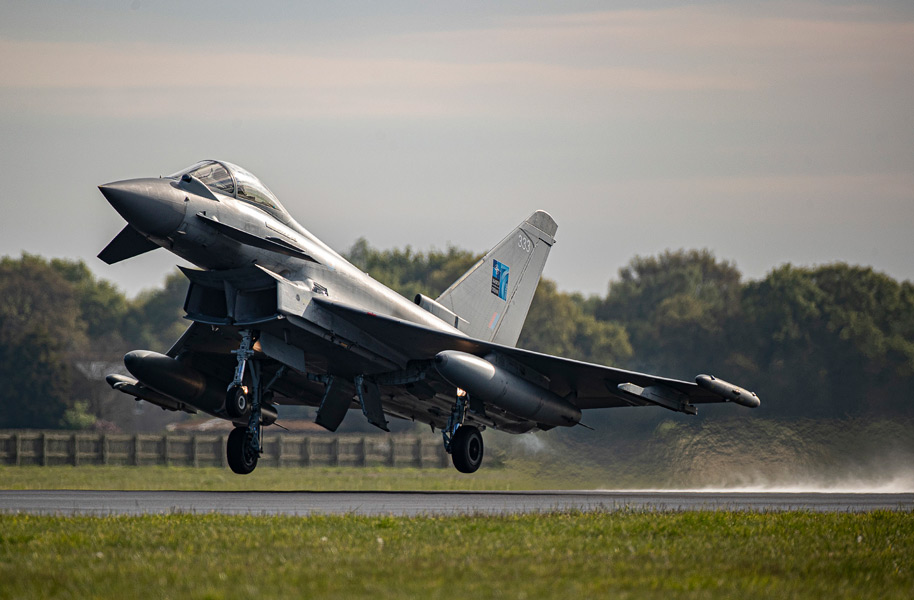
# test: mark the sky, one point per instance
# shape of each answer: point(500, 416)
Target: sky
point(767, 132)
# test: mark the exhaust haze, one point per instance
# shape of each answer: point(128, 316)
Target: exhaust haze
point(732, 455)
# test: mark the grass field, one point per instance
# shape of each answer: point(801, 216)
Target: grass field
point(591, 555)
point(518, 477)
point(563, 555)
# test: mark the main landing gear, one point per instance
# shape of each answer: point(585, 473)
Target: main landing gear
point(462, 442)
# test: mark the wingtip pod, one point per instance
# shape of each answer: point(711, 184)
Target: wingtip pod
point(730, 392)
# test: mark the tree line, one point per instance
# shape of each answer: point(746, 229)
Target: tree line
point(57, 320)
point(830, 341)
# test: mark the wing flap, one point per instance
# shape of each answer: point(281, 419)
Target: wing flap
point(335, 403)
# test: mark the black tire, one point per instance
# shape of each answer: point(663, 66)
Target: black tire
point(242, 459)
point(237, 403)
point(467, 449)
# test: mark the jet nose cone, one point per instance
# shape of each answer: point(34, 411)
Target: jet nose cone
point(150, 205)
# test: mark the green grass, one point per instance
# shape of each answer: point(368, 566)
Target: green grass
point(590, 555)
point(520, 477)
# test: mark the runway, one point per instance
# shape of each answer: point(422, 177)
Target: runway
point(73, 502)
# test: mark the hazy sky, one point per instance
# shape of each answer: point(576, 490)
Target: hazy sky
point(769, 132)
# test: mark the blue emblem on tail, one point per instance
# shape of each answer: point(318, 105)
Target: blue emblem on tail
point(500, 280)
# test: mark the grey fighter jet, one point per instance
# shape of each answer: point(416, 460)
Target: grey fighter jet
point(278, 317)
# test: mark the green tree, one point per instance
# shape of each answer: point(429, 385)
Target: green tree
point(408, 272)
point(832, 341)
point(40, 331)
point(557, 324)
point(678, 309)
point(155, 318)
point(102, 307)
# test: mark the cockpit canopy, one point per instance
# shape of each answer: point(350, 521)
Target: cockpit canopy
point(231, 180)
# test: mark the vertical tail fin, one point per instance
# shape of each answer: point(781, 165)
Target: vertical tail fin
point(495, 294)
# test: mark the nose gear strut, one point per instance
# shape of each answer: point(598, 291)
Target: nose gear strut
point(245, 444)
point(237, 400)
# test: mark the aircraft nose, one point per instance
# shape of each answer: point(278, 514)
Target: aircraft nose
point(151, 205)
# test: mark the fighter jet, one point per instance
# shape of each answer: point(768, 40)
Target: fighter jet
point(279, 318)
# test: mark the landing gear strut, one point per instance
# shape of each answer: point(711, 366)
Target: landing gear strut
point(237, 396)
point(245, 444)
point(462, 442)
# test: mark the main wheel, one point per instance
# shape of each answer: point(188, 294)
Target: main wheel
point(242, 459)
point(467, 449)
point(236, 402)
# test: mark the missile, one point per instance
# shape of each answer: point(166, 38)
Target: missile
point(132, 387)
point(727, 390)
point(169, 382)
point(499, 387)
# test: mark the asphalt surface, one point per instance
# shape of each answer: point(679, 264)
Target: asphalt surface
point(72, 502)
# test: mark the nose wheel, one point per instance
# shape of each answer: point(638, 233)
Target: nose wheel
point(240, 451)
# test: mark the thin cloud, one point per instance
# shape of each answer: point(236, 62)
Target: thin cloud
point(109, 66)
point(522, 66)
point(135, 80)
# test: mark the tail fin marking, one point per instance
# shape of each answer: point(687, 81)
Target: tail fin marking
point(494, 296)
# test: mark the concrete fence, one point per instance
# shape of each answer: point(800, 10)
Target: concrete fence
point(208, 450)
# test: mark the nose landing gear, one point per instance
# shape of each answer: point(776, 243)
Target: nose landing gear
point(237, 396)
point(245, 443)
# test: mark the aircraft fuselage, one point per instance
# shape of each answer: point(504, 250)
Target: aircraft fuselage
point(184, 217)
